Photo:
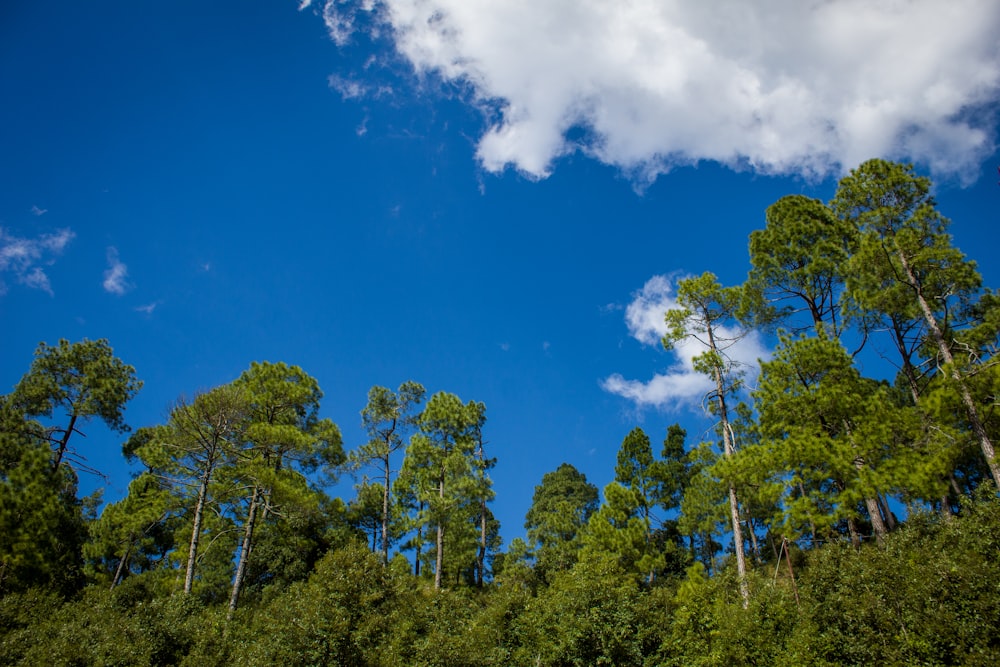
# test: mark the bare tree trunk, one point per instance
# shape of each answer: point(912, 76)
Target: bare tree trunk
point(64, 443)
point(122, 564)
point(887, 515)
point(871, 504)
point(729, 449)
point(876, 518)
point(245, 550)
point(199, 510)
point(439, 556)
point(385, 510)
point(754, 546)
point(481, 558)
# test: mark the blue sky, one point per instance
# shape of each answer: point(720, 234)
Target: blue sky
point(492, 199)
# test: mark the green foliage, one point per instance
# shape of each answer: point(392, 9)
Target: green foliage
point(587, 616)
point(42, 528)
point(798, 261)
point(334, 618)
point(84, 380)
point(41, 519)
point(560, 508)
point(445, 478)
point(386, 418)
point(831, 439)
point(101, 628)
point(134, 534)
point(929, 597)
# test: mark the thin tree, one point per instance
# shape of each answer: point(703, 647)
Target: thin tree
point(386, 418)
point(706, 312)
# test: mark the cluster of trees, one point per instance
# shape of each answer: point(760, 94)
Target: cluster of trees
point(227, 550)
point(230, 496)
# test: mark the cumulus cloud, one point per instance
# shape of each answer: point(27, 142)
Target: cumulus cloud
point(786, 86)
point(24, 258)
point(644, 314)
point(116, 275)
point(680, 384)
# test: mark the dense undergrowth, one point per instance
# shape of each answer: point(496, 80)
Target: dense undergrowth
point(930, 596)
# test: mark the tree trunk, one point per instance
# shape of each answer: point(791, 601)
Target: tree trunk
point(122, 564)
point(199, 510)
point(481, 558)
point(852, 529)
point(887, 515)
point(64, 443)
point(729, 449)
point(876, 518)
point(812, 524)
point(985, 443)
point(754, 546)
point(245, 550)
point(439, 556)
point(385, 510)
point(871, 504)
point(416, 559)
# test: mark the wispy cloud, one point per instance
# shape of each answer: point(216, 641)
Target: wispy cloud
point(349, 89)
point(780, 87)
point(116, 275)
point(23, 258)
point(680, 384)
point(147, 309)
point(36, 211)
point(352, 88)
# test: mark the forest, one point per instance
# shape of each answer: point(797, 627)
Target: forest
point(832, 518)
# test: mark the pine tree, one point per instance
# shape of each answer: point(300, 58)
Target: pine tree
point(707, 312)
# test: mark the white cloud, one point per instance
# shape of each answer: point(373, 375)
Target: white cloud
point(349, 89)
point(116, 275)
point(36, 211)
point(24, 258)
point(680, 384)
point(644, 315)
point(785, 86)
point(147, 309)
point(37, 279)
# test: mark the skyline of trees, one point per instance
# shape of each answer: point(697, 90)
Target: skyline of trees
point(229, 506)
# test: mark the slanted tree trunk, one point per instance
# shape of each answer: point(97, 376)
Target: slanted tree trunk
point(199, 511)
point(245, 550)
point(887, 516)
point(122, 565)
point(972, 412)
point(64, 443)
point(876, 518)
